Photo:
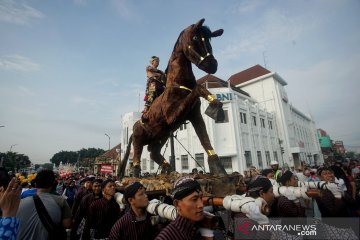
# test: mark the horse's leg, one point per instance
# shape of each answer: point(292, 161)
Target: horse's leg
point(206, 94)
point(155, 155)
point(138, 135)
point(198, 123)
point(198, 91)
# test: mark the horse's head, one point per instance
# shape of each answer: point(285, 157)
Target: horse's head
point(195, 43)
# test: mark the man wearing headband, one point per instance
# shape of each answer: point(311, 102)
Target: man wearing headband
point(261, 190)
point(187, 198)
point(136, 223)
point(155, 82)
point(88, 181)
point(79, 218)
point(330, 202)
point(288, 205)
point(102, 213)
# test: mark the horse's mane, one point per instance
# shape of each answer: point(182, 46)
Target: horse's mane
point(176, 43)
point(205, 30)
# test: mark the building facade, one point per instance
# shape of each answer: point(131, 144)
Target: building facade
point(296, 130)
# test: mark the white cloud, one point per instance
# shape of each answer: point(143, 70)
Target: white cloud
point(18, 63)
point(18, 13)
point(82, 100)
point(248, 6)
point(275, 27)
point(24, 91)
point(124, 9)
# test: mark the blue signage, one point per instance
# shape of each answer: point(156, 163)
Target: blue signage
point(222, 97)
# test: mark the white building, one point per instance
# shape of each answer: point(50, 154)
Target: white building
point(259, 124)
point(296, 131)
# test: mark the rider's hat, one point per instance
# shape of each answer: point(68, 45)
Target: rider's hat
point(154, 58)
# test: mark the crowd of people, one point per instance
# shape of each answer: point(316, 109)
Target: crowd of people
point(88, 207)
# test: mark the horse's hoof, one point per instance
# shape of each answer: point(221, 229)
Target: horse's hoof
point(165, 169)
point(137, 171)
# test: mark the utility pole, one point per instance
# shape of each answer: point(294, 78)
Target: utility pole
point(109, 140)
point(12, 147)
point(172, 152)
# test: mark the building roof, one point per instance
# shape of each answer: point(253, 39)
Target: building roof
point(248, 74)
point(212, 81)
point(112, 154)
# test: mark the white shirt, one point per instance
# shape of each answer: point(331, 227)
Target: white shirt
point(340, 182)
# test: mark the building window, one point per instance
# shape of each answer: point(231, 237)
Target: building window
point(199, 157)
point(248, 158)
point(243, 117)
point(226, 119)
point(254, 120)
point(143, 164)
point(184, 162)
point(270, 124)
point(276, 157)
point(182, 127)
point(227, 162)
point(268, 158)
point(262, 122)
point(259, 159)
point(151, 164)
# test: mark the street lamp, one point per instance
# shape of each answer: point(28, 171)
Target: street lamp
point(12, 147)
point(109, 140)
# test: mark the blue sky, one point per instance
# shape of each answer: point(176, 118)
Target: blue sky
point(69, 69)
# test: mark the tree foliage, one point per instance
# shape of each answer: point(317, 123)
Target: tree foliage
point(15, 161)
point(350, 154)
point(75, 156)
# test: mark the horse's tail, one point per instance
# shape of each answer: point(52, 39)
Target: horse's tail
point(121, 169)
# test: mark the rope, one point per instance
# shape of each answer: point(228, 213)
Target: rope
point(203, 168)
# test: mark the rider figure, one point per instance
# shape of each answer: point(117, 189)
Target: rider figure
point(155, 82)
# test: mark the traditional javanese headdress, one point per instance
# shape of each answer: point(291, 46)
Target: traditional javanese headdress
point(131, 190)
point(185, 186)
point(285, 177)
point(154, 58)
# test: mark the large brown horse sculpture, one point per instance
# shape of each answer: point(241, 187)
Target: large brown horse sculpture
point(179, 102)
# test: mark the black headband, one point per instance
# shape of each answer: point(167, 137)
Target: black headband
point(260, 183)
point(131, 190)
point(184, 187)
point(286, 176)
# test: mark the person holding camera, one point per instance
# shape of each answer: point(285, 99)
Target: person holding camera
point(136, 223)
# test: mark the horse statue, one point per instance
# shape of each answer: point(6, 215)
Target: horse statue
point(179, 102)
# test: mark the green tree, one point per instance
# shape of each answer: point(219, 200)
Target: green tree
point(350, 154)
point(15, 161)
point(73, 156)
point(47, 166)
point(90, 152)
point(64, 157)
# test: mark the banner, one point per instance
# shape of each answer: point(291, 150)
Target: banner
point(106, 168)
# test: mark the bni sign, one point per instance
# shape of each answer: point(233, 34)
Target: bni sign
point(224, 97)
